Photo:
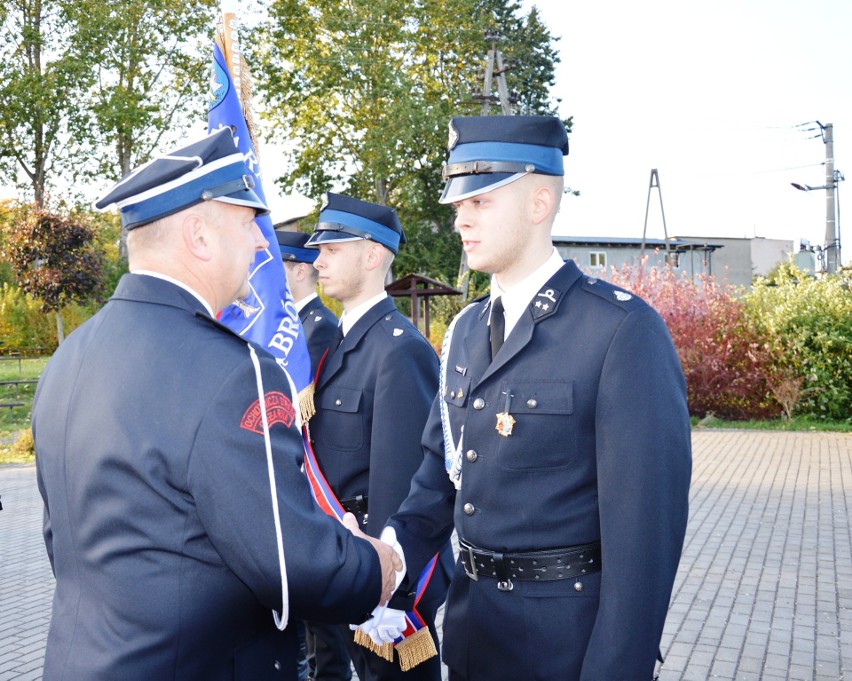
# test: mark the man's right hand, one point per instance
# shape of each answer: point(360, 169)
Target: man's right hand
point(390, 562)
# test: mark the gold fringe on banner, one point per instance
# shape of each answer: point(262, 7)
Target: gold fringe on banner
point(307, 408)
point(385, 651)
point(413, 650)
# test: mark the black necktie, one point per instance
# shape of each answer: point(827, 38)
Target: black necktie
point(498, 326)
point(339, 338)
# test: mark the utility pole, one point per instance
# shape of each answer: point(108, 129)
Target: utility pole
point(654, 182)
point(832, 238)
point(494, 66)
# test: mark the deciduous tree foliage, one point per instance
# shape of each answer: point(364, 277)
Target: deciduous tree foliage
point(55, 259)
point(362, 92)
point(41, 76)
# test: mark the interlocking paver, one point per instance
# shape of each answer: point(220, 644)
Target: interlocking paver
point(763, 593)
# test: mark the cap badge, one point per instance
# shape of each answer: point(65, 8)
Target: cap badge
point(622, 296)
point(454, 136)
point(505, 423)
point(324, 203)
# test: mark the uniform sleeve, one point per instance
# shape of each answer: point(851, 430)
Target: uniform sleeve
point(644, 468)
point(424, 522)
point(331, 575)
point(406, 384)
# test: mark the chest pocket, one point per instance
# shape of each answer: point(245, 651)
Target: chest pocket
point(341, 424)
point(544, 434)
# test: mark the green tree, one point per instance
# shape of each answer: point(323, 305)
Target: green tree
point(41, 76)
point(363, 90)
point(149, 62)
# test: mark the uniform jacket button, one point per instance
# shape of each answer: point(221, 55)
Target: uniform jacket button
point(532, 404)
point(469, 509)
point(478, 403)
point(471, 455)
point(277, 665)
point(338, 402)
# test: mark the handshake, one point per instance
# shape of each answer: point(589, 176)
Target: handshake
point(386, 624)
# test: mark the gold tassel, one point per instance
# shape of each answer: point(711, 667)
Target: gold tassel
point(415, 649)
point(306, 405)
point(385, 651)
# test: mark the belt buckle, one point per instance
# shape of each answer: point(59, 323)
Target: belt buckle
point(472, 573)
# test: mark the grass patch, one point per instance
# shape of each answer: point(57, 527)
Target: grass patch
point(796, 424)
point(15, 441)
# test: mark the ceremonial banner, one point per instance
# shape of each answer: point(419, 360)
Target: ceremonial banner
point(268, 316)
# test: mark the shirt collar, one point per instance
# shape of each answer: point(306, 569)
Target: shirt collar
point(300, 304)
point(518, 297)
point(349, 319)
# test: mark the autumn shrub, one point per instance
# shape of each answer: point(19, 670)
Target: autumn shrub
point(23, 325)
point(812, 318)
point(727, 358)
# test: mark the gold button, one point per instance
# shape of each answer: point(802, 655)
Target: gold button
point(469, 509)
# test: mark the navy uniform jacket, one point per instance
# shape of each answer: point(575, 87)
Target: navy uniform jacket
point(600, 451)
point(158, 515)
point(373, 397)
point(320, 327)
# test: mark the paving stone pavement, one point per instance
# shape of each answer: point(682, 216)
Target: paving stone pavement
point(764, 589)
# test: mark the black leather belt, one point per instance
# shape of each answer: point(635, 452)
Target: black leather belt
point(552, 564)
point(356, 505)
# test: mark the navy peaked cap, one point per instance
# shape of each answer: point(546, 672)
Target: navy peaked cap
point(292, 246)
point(487, 152)
point(210, 169)
point(343, 218)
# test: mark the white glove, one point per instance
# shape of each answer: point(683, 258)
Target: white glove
point(388, 536)
point(384, 626)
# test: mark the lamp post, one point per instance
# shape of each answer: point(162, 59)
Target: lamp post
point(832, 201)
point(831, 250)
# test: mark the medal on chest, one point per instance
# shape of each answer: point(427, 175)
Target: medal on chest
point(505, 421)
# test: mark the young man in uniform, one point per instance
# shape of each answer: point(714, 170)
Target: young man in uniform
point(373, 395)
point(318, 322)
point(180, 528)
point(559, 445)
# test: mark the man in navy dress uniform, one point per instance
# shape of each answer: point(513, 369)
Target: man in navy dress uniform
point(180, 528)
point(559, 445)
point(318, 322)
point(373, 395)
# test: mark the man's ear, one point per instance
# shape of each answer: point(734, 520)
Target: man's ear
point(196, 237)
point(375, 255)
point(543, 202)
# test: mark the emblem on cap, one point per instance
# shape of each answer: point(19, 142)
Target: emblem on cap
point(324, 203)
point(454, 136)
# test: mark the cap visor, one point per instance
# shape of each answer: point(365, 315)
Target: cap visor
point(465, 186)
point(245, 197)
point(327, 236)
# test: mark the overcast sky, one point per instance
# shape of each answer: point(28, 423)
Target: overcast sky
point(712, 95)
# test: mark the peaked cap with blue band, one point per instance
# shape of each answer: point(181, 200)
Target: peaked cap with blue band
point(343, 218)
point(487, 152)
point(292, 245)
point(210, 169)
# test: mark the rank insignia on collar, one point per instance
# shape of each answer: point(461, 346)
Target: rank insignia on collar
point(398, 332)
point(505, 423)
point(623, 296)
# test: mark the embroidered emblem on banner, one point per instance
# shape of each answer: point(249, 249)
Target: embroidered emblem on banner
point(279, 409)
